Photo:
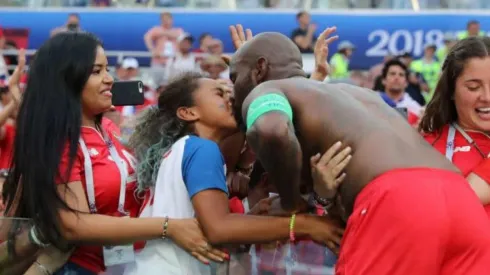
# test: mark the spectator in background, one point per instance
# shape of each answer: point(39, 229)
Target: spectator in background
point(216, 47)
point(449, 41)
point(101, 3)
point(429, 68)
point(472, 29)
point(215, 68)
point(304, 36)
point(395, 81)
point(8, 114)
point(4, 73)
point(205, 40)
point(416, 82)
point(359, 78)
point(72, 24)
point(10, 59)
point(375, 72)
point(128, 70)
point(339, 63)
point(184, 60)
point(161, 41)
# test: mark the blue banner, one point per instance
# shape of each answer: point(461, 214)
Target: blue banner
point(375, 34)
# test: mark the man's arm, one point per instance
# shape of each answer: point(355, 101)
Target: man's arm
point(272, 138)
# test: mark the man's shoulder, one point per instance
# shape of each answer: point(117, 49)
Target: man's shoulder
point(297, 31)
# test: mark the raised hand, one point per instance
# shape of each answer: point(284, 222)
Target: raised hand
point(14, 80)
point(322, 68)
point(238, 36)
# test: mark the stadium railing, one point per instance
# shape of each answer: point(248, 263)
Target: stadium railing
point(308, 59)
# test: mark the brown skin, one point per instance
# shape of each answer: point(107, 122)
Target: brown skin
point(323, 115)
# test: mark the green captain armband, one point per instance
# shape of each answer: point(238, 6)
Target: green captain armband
point(268, 103)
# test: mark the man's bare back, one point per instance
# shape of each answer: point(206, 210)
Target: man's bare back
point(380, 138)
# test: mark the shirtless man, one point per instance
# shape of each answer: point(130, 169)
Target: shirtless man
point(407, 209)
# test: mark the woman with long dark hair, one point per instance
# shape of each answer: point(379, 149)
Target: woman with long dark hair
point(457, 119)
point(70, 175)
point(179, 160)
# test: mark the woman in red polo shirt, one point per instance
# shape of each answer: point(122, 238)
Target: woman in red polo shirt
point(457, 120)
point(70, 174)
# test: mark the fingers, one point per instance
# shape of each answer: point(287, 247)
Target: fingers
point(340, 179)
point(249, 34)
point(339, 231)
point(200, 257)
point(334, 248)
point(235, 37)
point(330, 153)
point(336, 239)
point(241, 33)
point(324, 36)
point(329, 31)
point(314, 160)
point(340, 156)
point(15, 78)
point(217, 255)
point(330, 40)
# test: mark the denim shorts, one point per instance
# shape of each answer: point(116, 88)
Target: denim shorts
point(73, 269)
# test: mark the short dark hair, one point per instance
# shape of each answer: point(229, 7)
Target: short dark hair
point(202, 36)
point(74, 14)
point(393, 62)
point(166, 13)
point(301, 13)
point(472, 22)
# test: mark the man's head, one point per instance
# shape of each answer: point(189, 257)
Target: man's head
point(205, 40)
point(129, 69)
point(430, 51)
point(346, 48)
point(167, 20)
point(395, 76)
point(185, 43)
point(268, 56)
point(406, 58)
point(73, 22)
point(303, 18)
point(473, 28)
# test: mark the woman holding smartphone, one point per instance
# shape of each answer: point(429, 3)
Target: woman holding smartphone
point(70, 175)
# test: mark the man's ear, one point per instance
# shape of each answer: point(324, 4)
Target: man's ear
point(262, 68)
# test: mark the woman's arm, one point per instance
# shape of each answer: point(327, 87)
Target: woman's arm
point(107, 230)
point(480, 186)
point(479, 180)
point(222, 227)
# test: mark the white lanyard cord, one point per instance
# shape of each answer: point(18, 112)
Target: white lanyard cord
point(450, 141)
point(89, 175)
